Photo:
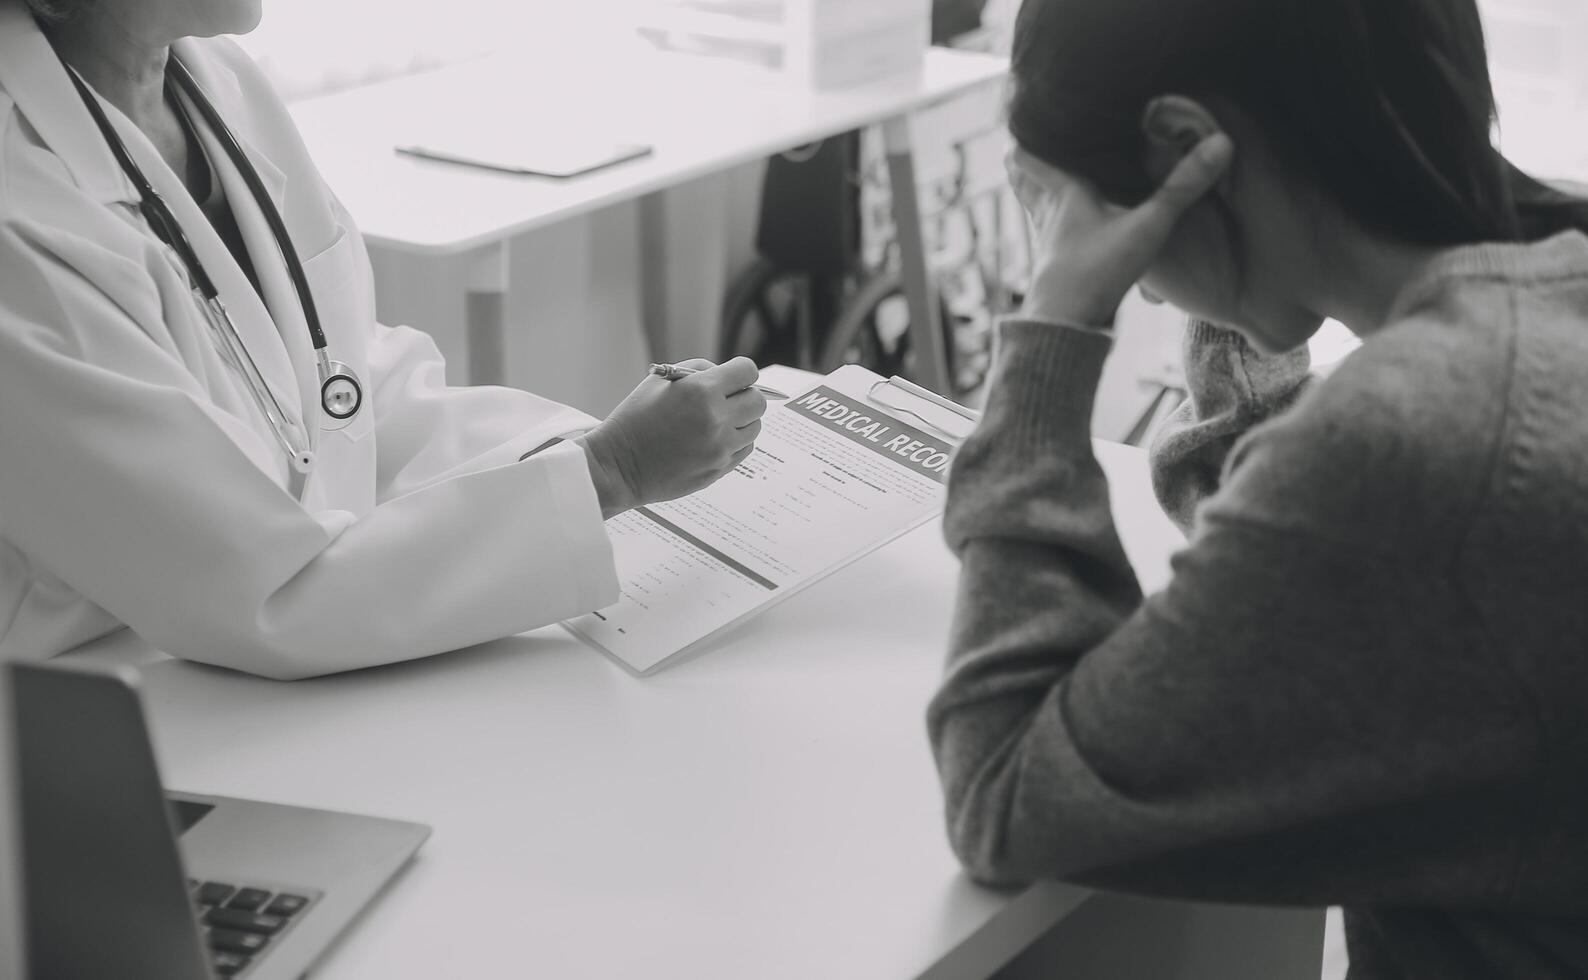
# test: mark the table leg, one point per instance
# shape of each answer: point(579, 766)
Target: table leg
point(920, 293)
point(485, 314)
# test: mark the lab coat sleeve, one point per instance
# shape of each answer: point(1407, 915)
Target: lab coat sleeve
point(122, 480)
point(427, 431)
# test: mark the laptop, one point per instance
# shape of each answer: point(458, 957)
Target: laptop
point(122, 879)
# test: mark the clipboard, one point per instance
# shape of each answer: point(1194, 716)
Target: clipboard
point(853, 463)
point(943, 416)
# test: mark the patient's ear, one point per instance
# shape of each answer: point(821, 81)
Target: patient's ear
point(1172, 126)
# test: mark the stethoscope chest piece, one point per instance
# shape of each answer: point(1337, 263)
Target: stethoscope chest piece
point(341, 396)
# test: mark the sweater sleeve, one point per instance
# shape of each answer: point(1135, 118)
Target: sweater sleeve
point(1302, 717)
point(1232, 388)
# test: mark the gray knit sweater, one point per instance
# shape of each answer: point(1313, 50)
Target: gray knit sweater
point(1367, 683)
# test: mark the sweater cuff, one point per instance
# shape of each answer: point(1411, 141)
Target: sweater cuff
point(1045, 383)
point(1202, 333)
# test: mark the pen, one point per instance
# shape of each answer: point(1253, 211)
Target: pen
point(672, 372)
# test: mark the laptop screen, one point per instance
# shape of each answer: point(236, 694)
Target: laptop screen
point(93, 824)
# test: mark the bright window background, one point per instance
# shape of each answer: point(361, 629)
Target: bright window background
point(1538, 50)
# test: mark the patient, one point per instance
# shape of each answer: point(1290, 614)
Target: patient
point(1367, 683)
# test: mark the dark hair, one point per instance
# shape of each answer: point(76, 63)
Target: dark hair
point(1386, 105)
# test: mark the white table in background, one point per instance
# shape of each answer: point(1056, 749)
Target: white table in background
point(700, 116)
point(767, 809)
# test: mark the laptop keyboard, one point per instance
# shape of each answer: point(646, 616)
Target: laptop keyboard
point(240, 921)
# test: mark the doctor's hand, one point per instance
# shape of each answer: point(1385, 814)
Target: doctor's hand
point(1088, 253)
point(670, 438)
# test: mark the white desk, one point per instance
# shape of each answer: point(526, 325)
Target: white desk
point(768, 809)
point(700, 115)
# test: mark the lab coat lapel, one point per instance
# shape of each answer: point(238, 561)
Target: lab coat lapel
point(37, 82)
point(280, 296)
point(265, 345)
point(35, 79)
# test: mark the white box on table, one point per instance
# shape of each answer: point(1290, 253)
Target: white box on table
point(820, 44)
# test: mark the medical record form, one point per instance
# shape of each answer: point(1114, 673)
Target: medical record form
point(837, 472)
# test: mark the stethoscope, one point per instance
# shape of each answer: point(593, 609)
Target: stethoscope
point(341, 394)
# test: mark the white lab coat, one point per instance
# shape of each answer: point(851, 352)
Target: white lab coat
point(138, 485)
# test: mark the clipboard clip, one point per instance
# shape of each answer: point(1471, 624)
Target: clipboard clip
point(944, 416)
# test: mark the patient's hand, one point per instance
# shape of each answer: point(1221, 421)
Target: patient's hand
point(1087, 253)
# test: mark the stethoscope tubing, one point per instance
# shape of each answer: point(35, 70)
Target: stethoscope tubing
point(341, 393)
point(227, 338)
point(256, 187)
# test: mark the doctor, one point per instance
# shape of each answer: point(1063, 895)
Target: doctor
point(204, 434)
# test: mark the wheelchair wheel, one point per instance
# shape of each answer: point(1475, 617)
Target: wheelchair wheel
point(765, 315)
point(874, 331)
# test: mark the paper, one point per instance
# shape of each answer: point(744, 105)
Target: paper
point(834, 475)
